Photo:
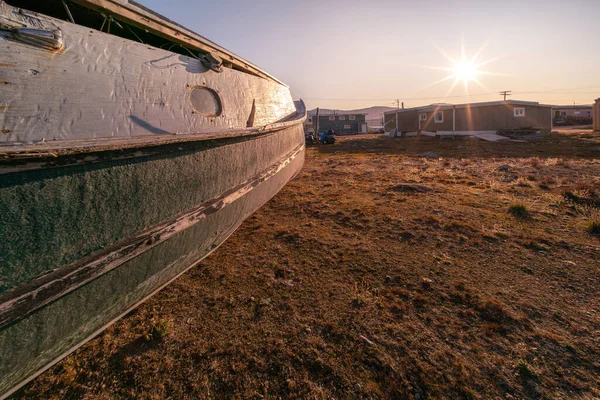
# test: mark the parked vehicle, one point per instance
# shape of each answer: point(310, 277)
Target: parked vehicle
point(559, 122)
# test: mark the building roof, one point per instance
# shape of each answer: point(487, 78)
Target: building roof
point(446, 106)
point(339, 113)
point(579, 107)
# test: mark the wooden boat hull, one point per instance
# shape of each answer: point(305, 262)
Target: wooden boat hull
point(122, 164)
point(47, 318)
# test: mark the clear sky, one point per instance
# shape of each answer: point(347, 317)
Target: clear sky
point(350, 54)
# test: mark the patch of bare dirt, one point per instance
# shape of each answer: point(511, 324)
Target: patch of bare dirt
point(354, 283)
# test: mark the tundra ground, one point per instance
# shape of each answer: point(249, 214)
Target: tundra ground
point(379, 274)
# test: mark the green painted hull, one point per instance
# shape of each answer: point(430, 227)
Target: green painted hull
point(83, 243)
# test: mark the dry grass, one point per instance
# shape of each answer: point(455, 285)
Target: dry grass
point(593, 227)
point(344, 287)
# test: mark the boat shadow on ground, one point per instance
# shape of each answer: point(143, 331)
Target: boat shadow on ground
point(549, 146)
point(134, 348)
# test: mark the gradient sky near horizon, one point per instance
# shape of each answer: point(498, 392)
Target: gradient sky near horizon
point(353, 54)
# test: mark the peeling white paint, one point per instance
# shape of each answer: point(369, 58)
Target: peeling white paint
point(104, 86)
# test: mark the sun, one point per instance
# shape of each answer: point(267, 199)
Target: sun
point(465, 71)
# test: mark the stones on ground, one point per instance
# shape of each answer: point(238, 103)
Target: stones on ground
point(265, 301)
point(288, 283)
point(504, 168)
point(410, 188)
point(426, 283)
point(429, 154)
point(369, 342)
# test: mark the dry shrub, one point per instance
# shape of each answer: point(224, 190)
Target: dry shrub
point(564, 163)
point(582, 195)
point(493, 311)
point(593, 227)
point(160, 329)
point(363, 294)
point(523, 182)
point(525, 370)
point(518, 210)
point(535, 162)
point(547, 181)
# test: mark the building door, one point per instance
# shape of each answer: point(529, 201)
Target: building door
point(363, 128)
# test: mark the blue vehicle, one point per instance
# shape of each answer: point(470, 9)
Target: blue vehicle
point(327, 137)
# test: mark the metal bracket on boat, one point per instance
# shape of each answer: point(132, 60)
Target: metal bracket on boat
point(47, 39)
point(212, 61)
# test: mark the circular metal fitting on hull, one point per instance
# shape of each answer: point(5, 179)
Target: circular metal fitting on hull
point(205, 101)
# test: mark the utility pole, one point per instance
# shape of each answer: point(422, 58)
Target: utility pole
point(316, 123)
point(505, 93)
point(397, 103)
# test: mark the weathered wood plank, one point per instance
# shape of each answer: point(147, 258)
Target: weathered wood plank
point(103, 86)
point(139, 16)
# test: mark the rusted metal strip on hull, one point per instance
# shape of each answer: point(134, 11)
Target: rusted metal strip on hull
point(23, 300)
point(65, 325)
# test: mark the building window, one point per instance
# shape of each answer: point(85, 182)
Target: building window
point(342, 117)
point(563, 113)
point(346, 126)
point(423, 117)
point(589, 113)
point(439, 117)
point(577, 113)
point(309, 120)
point(351, 117)
point(519, 112)
point(332, 117)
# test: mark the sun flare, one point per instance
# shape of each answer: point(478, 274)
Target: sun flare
point(465, 71)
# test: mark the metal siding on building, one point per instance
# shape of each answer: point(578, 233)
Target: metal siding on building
point(389, 122)
point(408, 121)
point(338, 126)
point(478, 118)
point(573, 112)
point(432, 126)
point(493, 118)
point(596, 115)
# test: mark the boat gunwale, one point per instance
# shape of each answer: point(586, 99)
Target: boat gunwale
point(17, 157)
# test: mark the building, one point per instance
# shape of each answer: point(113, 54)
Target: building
point(343, 123)
point(573, 115)
point(596, 115)
point(467, 119)
point(308, 124)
